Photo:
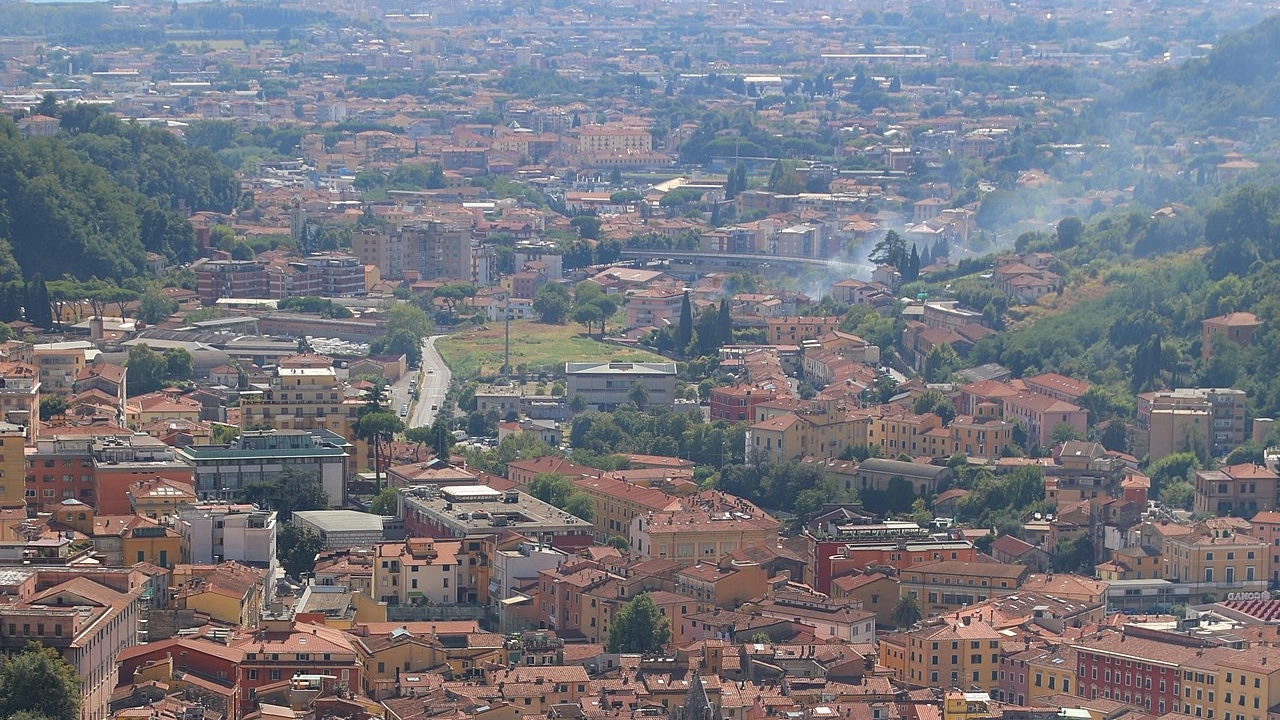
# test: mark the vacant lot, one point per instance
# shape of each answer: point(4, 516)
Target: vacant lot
point(535, 345)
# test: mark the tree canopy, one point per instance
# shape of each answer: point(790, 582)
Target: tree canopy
point(639, 628)
point(38, 681)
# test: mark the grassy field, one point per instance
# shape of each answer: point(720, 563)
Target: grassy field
point(535, 345)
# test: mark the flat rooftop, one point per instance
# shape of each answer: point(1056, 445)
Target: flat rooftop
point(480, 510)
point(340, 521)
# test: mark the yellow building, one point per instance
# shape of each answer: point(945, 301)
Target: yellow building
point(822, 429)
point(305, 394)
point(534, 689)
point(158, 497)
point(1218, 556)
point(230, 592)
point(897, 433)
point(13, 466)
point(960, 652)
point(300, 398)
point(417, 570)
point(957, 705)
point(122, 539)
point(59, 366)
point(616, 503)
point(948, 585)
point(707, 532)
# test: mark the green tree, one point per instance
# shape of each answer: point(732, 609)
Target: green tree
point(588, 316)
point(419, 436)
point(52, 406)
point(38, 305)
point(940, 363)
point(933, 401)
point(684, 331)
point(1070, 230)
point(638, 395)
point(378, 428)
point(297, 548)
point(1074, 554)
point(406, 327)
point(1179, 494)
point(145, 370)
point(906, 612)
point(154, 307)
point(639, 628)
point(619, 543)
point(385, 502)
point(551, 488)
point(178, 364)
point(580, 505)
point(1064, 431)
point(441, 438)
point(551, 302)
point(891, 250)
point(38, 681)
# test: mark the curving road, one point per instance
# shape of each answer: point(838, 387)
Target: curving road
point(433, 383)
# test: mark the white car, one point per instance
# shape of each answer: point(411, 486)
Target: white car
point(404, 410)
point(431, 371)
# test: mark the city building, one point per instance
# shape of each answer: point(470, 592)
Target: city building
point(342, 528)
point(1236, 327)
point(948, 585)
point(605, 386)
point(478, 511)
point(706, 528)
point(1218, 556)
point(1190, 419)
point(419, 571)
point(97, 466)
point(952, 652)
point(259, 456)
point(88, 616)
point(1241, 490)
point(216, 532)
point(20, 397)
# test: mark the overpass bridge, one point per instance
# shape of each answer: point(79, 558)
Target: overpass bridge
point(756, 263)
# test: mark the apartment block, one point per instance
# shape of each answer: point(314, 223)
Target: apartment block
point(87, 616)
point(216, 532)
point(1241, 490)
point(820, 428)
point(956, 652)
point(948, 585)
point(1191, 419)
point(1218, 556)
point(418, 571)
point(654, 307)
point(258, 456)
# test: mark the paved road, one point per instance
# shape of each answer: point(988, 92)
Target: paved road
point(433, 383)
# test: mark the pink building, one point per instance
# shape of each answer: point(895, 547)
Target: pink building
point(653, 307)
point(1040, 414)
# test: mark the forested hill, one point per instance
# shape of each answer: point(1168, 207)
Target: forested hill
point(1239, 79)
point(94, 200)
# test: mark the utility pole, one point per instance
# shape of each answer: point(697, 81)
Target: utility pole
point(506, 344)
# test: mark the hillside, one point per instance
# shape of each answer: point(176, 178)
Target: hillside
point(94, 200)
point(1239, 80)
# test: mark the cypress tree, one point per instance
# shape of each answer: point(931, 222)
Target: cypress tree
point(684, 331)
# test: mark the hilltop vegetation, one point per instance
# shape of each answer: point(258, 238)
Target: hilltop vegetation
point(94, 200)
point(1239, 79)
